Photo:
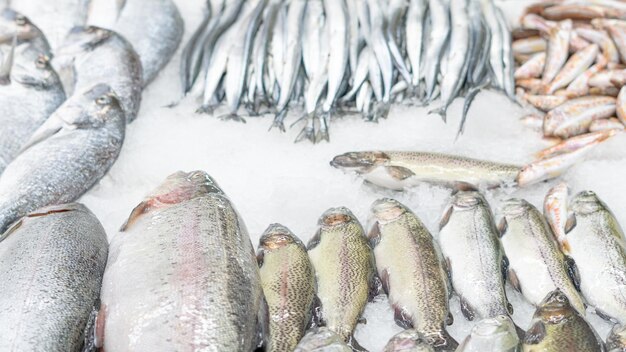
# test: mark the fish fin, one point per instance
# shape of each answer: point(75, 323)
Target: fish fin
point(502, 227)
point(450, 319)
point(263, 323)
point(376, 287)
point(119, 7)
point(514, 280)
point(7, 64)
point(315, 240)
point(467, 311)
point(99, 325)
point(469, 98)
point(362, 321)
point(139, 210)
point(402, 317)
point(504, 267)
point(441, 341)
point(448, 272)
point(355, 346)
point(399, 172)
point(260, 256)
point(572, 271)
point(49, 128)
point(16, 225)
point(519, 331)
point(89, 335)
point(446, 217)
point(535, 334)
point(316, 312)
point(570, 223)
point(374, 235)
point(603, 315)
point(232, 117)
point(441, 112)
point(205, 109)
point(384, 280)
point(509, 308)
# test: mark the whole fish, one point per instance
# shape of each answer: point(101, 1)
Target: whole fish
point(93, 54)
point(609, 50)
point(495, 334)
point(555, 210)
point(581, 12)
point(496, 50)
point(410, 267)
point(536, 264)
point(376, 39)
point(192, 54)
point(531, 68)
point(616, 341)
point(409, 340)
point(187, 246)
point(51, 266)
point(608, 78)
point(322, 340)
point(414, 34)
point(580, 85)
point(338, 247)
point(66, 156)
point(545, 102)
point(574, 116)
point(288, 282)
point(574, 67)
point(474, 256)
point(558, 49)
point(398, 170)
point(33, 94)
point(597, 245)
point(531, 45)
point(507, 55)
point(620, 105)
point(557, 326)
point(437, 37)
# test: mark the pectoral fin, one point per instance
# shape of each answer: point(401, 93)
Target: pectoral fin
point(467, 311)
point(514, 280)
point(399, 173)
point(535, 334)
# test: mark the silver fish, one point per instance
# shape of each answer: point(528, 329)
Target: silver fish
point(616, 341)
point(14, 24)
point(474, 256)
point(97, 55)
point(186, 244)
point(495, 334)
point(338, 39)
point(497, 41)
point(437, 37)
point(322, 340)
point(66, 156)
point(414, 35)
point(51, 266)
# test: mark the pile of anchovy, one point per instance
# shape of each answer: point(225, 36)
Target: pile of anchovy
point(336, 56)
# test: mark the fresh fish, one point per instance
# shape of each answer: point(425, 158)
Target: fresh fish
point(536, 265)
point(608, 78)
point(609, 50)
point(15, 25)
point(410, 267)
point(558, 46)
point(533, 120)
point(533, 85)
point(604, 91)
point(581, 12)
point(154, 28)
point(339, 246)
point(575, 66)
point(288, 282)
point(408, 341)
point(322, 340)
point(606, 124)
point(437, 37)
point(355, 35)
point(557, 326)
point(192, 54)
point(597, 245)
point(215, 71)
point(575, 143)
point(398, 170)
point(95, 54)
point(497, 334)
point(474, 256)
point(555, 211)
point(376, 40)
point(620, 105)
point(51, 266)
point(580, 86)
point(66, 156)
point(33, 94)
point(616, 341)
point(531, 68)
point(186, 244)
point(396, 10)
point(414, 35)
point(338, 39)
point(507, 56)
point(545, 102)
point(574, 116)
point(531, 45)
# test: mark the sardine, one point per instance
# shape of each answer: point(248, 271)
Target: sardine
point(409, 340)
point(414, 35)
point(620, 105)
point(536, 265)
point(495, 334)
point(597, 245)
point(66, 156)
point(338, 40)
point(574, 116)
point(322, 340)
point(606, 124)
point(558, 49)
point(496, 51)
point(187, 246)
point(340, 246)
point(557, 326)
point(410, 267)
point(288, 282)
point(475, 259)
point(51, 266)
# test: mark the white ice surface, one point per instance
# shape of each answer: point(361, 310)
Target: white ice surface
point(271, 179)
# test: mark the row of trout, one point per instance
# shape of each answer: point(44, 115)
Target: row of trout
point(182, 275)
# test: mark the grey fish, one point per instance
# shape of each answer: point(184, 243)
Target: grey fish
point(66, 156)
point(495, 334)
point(399, 169)
point(288, 281)
point(536, 265)
point(51, 266)
point(412, 272)
point(597, 245)
point(557, 326)
point(496, 52)
point(409, 340)
point(96, 55)
point(338, 39)
point(474, 256)
point(340, 246)
point(322, 340)
point(187, 246)
point(616, 341)
point(192, 54)
point(415, 36)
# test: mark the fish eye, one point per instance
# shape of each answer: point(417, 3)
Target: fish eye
point(103, 100)
point(20, 20)
point(41, 62)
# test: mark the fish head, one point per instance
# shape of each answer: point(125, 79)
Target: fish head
point(81, 39)
point(94, 107)
point(35, 70)
point(515, 207)
point(14, 24)
point(361, 162)
point(336, 217)
point(387, 209)
point(586, 202)
point(616, 341)
point(554, 308)
point(464, 200)
point(277, 236)
point(498, 325)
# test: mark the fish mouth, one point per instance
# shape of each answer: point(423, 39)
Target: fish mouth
point(387, 209)
point(468, 199)
point(515, 207)
point(276, 236)
point(336, 216)
point(586, 202)
point(359, 161)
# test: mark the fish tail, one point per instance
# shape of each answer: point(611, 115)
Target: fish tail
point(441, 340)
point(356, 347)
point(232, 116)
point(441, 112)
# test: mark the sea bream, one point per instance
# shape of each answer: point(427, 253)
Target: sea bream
point(66, 156)
point(51, 266)
point(399, 170)
point(412, 272)
point(187, 246)
point(345, 271)
point(288, 282)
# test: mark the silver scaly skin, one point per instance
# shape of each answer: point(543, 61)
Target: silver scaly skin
point(95, 55)
point(51, 266)
point(474, 256)
point(322, 340)
point(557, 327)
point(66, 156)
point(597, 245)
point(288, 281)
point(412, 272)
point(14, 24)
point(495, 334)
point(345, 271)
point(536, 264)
point(186, 246)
